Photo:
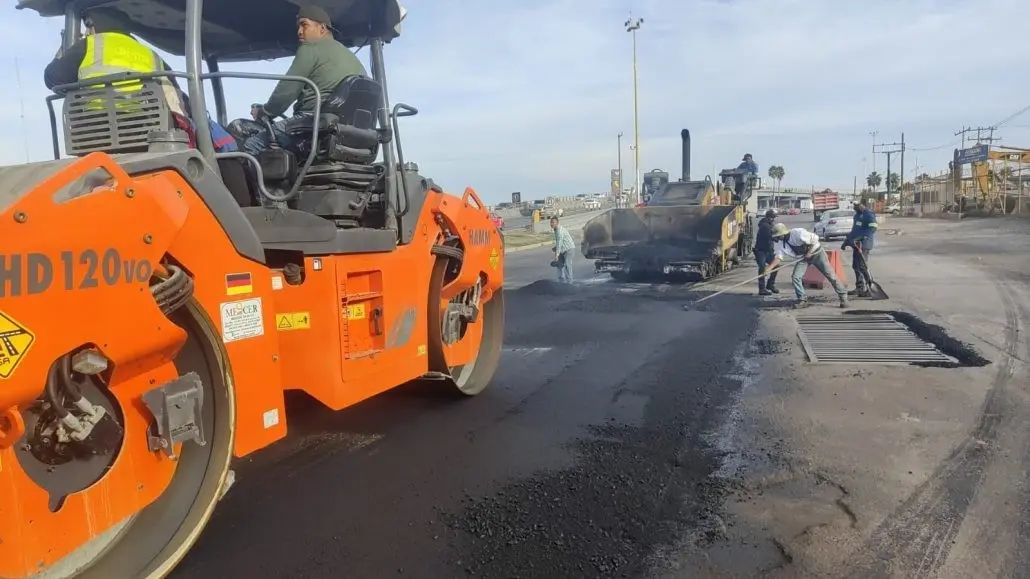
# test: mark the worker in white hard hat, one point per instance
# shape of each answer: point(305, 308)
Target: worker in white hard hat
point(803, 245)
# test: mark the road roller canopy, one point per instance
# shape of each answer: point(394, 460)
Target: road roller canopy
point(239, 30)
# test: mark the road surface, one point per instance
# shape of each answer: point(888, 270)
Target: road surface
point(594, 382)
point(626, 437)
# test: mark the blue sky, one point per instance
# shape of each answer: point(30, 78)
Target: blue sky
point(528, 95)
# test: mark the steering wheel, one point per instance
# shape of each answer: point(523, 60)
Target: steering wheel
point(267, 121)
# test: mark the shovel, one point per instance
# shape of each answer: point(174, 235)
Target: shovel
point(738, 284)
point(875, 290)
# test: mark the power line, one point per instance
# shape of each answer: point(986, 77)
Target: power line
point(937, 148)
point(1010, 117)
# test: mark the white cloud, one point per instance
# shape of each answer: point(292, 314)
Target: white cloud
point(529, 95)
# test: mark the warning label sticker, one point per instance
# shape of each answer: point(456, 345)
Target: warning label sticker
point(15, 341)
point(242, 319)
point(292, 321)
point(354, 312)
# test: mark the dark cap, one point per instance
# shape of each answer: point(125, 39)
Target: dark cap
point(103, 19)
point(770, 213)
point(315, 14)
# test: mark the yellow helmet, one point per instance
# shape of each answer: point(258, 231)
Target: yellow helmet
point(780, 230)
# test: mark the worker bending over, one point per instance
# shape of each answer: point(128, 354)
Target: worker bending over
point(563, 248)
point(764, 253)
point(321, 59)
point(861, 239)
point(803, 245)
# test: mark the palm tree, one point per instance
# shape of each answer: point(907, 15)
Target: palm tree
point(776, 173)
point(893, 182)
point(874, 180)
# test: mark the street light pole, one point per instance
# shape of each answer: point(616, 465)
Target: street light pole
point(620, 162)
point(632, 25)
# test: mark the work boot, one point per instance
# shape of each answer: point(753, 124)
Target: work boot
point(800, 304)
point(843, 302)
point(772, 289)
point(764, 292)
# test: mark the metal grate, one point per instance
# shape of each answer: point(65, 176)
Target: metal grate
point(112, 121)
point(873, 338)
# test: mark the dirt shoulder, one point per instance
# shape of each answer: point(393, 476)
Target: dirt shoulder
point(868, 470)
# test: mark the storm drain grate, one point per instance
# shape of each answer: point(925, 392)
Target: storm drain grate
point(873, 338)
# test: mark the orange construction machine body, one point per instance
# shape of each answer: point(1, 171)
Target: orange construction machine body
point(151, 318)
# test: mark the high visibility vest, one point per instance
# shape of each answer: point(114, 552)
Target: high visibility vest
point(110, 53)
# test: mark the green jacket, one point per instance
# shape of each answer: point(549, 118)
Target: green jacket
point(325, 62)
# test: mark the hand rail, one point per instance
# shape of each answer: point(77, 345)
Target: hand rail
point(401, 110)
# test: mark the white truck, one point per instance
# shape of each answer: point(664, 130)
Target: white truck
point(806, 205)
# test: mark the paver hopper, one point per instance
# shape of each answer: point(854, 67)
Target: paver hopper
point(687, 230)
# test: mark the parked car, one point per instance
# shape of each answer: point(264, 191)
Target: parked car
point(834, 224)
point(498, 220)
point(592, 204)
point(793, 211)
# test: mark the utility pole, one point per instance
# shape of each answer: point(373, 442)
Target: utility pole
point(963, 132)
point(21, 103)
point(983, 134)
point(901, 181)
point(890, 149)
point(873, 135)
point(632, 25)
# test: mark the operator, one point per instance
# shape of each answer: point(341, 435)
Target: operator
point(748, 165)
point(321, 59)
point(803, 245)
point(861, 239)
point(764, 253)
point(107, 49)
point(563, 248)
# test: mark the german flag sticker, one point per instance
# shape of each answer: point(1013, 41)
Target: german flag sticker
point(238, 284)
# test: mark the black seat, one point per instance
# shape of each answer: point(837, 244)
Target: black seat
point(343, 180)
point(347, 123)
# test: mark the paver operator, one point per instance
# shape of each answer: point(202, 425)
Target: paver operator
point(861, 239)
point(563, 248)
point(764, 253)
point(803, 245)
point(321, 59)
point(747, 164)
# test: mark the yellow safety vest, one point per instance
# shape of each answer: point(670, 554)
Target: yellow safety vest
point(112, 53)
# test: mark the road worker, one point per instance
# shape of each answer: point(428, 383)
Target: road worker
point(803, 245)
point(861, 240)
point(563, 248)
point(764, 253)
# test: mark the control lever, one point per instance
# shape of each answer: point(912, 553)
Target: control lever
point(366, 195)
